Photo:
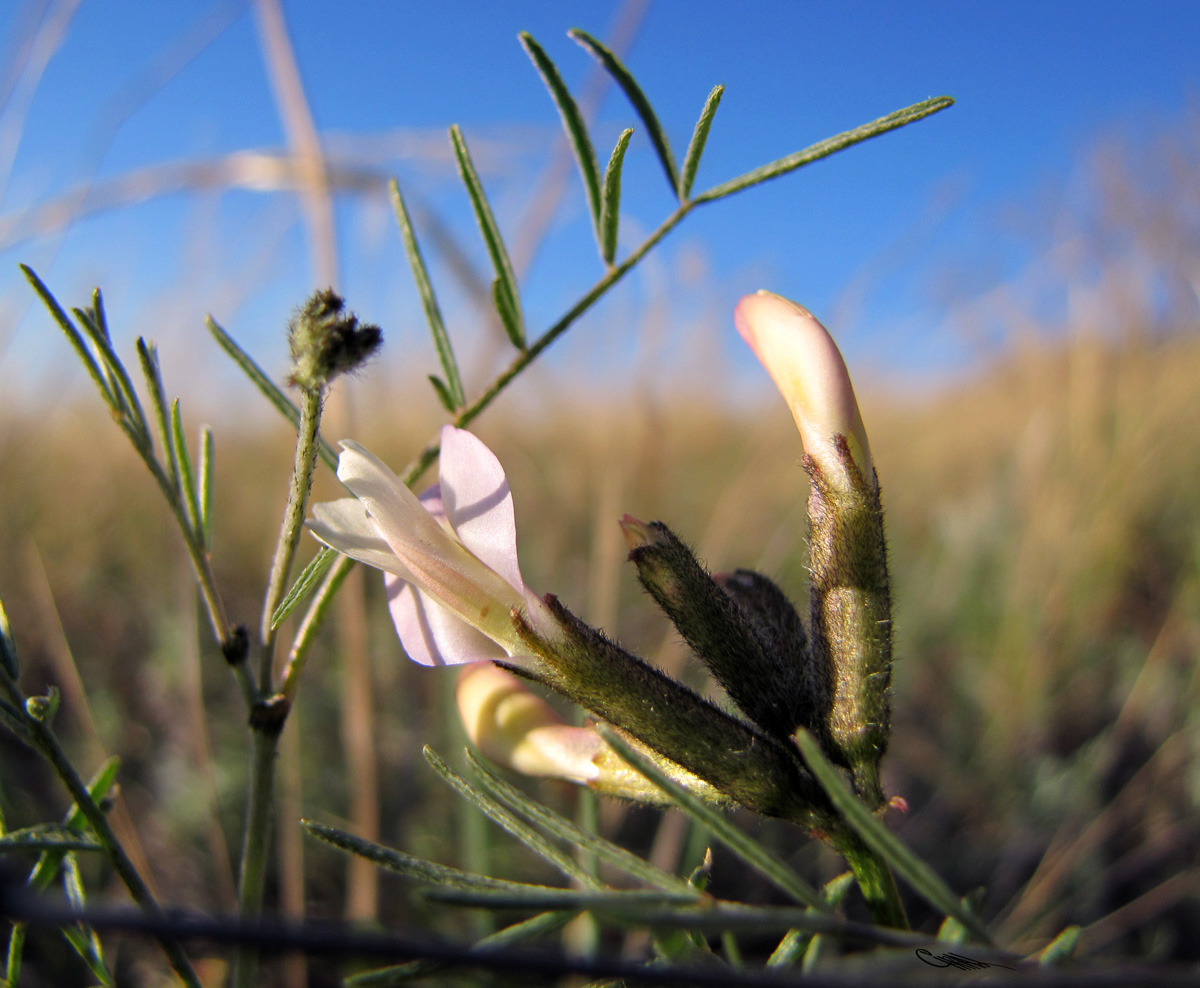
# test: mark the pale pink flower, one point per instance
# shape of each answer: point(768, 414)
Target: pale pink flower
point(449, 557)
point(809, 372)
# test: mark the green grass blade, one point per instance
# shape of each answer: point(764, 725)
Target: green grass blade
point(603, 901)
point(825, 148)
point(187, 477)
point(573, 124)
point(695, 149)
point(433, 314)
point(48, 837)
point(510, 936)
point(503, 818)
point(560, 827)
point(205, 486)
point(411, 867)
point(923, 879)
point(8, 647)
point(796, 942)
point(305, 583)
point(271, 391)
point(772, 868)
point(633, 92)
point(152, 372)
point(77, 343)
point(1059, 950)
point(610, 205)
point(514, 324)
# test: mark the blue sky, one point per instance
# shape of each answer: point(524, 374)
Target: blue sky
point(865, 239)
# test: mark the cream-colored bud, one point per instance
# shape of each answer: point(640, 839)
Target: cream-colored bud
point(810, 373)
point(521, 731)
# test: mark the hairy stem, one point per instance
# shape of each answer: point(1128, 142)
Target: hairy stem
point(875, 879)
point(256, 846)
point(292, 523)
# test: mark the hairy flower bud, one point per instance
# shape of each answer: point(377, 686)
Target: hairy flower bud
point(851, 623)
point(760, 680)
point(326, 341)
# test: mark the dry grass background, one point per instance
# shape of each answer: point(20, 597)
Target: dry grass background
point(1043, 519)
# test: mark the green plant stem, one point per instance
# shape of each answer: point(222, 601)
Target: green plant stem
point(48, 746)
point(292, 524)
point(269, 713)
point(534, 350)
point(256, 847)
point(290, 678)
point(875, 879)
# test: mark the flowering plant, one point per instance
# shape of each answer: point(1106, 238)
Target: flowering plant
point(811, 699)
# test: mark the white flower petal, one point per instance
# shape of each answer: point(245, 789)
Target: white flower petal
point(478, 502)
point(344, 525)
point(431, 634)
point(439, 565)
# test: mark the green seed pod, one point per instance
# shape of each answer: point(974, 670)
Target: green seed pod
point(752, 768)
point(851, 616)
point(759, 679)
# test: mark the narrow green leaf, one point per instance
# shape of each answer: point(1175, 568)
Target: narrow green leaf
point(48, 837)
point(187, 478)
point(492, 239)
point(613, 901)
point(83, 938)
point(883, 842)
point(8, 647)
point(695, 149)
point(148, 355)
point(98, 341)
point(305, 584)
point(610, 206)
point(47, 865)
point(774, 869)
point(96, 327)
point(270, 390)
point(101, 317)
point(951, 930)
point(503, 818)
point(433, 314)
point(411, 867)
point(825, 148)
point(510, 936)
point(797, 943)
point(633, 92)
point(443, 393)
point(560, 827)
point(1059, 950)
point(573, 124)
point(77, 344)
point(509, 318)
point(205, 485)
point(12, 964)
